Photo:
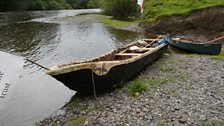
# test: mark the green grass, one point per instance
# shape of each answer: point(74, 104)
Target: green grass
point(76, 122)
point(143, 84)
point(174, 93)
point(117, 23)
point(161, 124)
point(158, 81)
point(184, 76)
point(167, 68)
point(74, 103)
point(162, 8)
point(192, 55)
point(218, 57)
point(158, 8)
point(212, 123)
point(139, 85)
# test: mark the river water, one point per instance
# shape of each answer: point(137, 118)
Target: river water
point(46, 38)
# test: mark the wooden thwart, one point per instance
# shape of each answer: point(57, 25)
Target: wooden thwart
point(128, 54)
point(154, 40)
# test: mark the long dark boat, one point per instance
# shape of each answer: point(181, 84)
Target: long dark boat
point(109, 70)
point(195, 47)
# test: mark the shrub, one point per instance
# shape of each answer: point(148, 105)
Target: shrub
point(119, 8)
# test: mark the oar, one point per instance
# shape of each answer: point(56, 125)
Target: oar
point(154, 41)
point(149, 40)
point(37, 64)
point(214, 40)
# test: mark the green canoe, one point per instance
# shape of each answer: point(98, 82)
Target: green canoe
point(202, 48)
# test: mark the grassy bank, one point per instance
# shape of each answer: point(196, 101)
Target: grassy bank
point(218, 57)
point(159, 8)
point(118, 23)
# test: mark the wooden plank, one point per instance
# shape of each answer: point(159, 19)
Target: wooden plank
point(149, 40)
point(128, 54)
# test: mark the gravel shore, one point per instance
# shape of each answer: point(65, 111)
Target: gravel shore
point(190, 92)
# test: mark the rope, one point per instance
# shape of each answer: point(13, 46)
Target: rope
point(95, 96)
point(93, 82)
point(37, 64)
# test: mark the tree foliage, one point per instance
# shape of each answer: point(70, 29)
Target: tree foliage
point(119, 8)
point(84, 4)
point(7, 5)
point(78, 4)
point(93, 4)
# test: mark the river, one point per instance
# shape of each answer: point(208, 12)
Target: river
point(46, 38)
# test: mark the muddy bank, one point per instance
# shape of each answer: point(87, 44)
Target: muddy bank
point(202, 25)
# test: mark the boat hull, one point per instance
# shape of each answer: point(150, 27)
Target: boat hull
point(210, 49)
point(82, 80)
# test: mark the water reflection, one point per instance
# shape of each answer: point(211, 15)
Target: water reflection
point(83, 41)
point(27, 38)
point(122, 37)
point(44, 37)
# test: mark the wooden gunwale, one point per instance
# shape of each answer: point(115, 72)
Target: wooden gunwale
point(101, 64)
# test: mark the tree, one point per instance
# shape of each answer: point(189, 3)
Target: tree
point(78, 4)
point(119, 8)
point(93, 4)
point(6, 5)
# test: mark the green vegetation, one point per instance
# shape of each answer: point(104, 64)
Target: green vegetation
point(84, 4)
point(184, 76)
point(154, 8)
point(167, 68)
point(119, 8)
point(158, 8)
point(212, 123)
point(159, 81)
point(8, 5)
point(74, 103)
point(161, 124)
point(174, 93)
point(191, 55)
point(93, 4)
point(218, 57)
point(117, 23)
point(139, 85)
point(143, 84)
point(76, 122)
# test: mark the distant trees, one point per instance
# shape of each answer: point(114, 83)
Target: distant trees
point(84, 4)
point(6, 5)
point(94, 4)
point(119, 8)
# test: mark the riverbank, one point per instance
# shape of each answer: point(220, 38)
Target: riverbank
point(201, 25)
point(178, 89)
point(184, 89)
point(128, 25)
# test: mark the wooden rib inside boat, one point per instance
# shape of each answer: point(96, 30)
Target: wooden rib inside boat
point(109, 70)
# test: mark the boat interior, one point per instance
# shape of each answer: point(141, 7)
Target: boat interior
point(127, 52)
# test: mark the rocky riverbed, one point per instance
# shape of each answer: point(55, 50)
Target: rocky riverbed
point(189, 90)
